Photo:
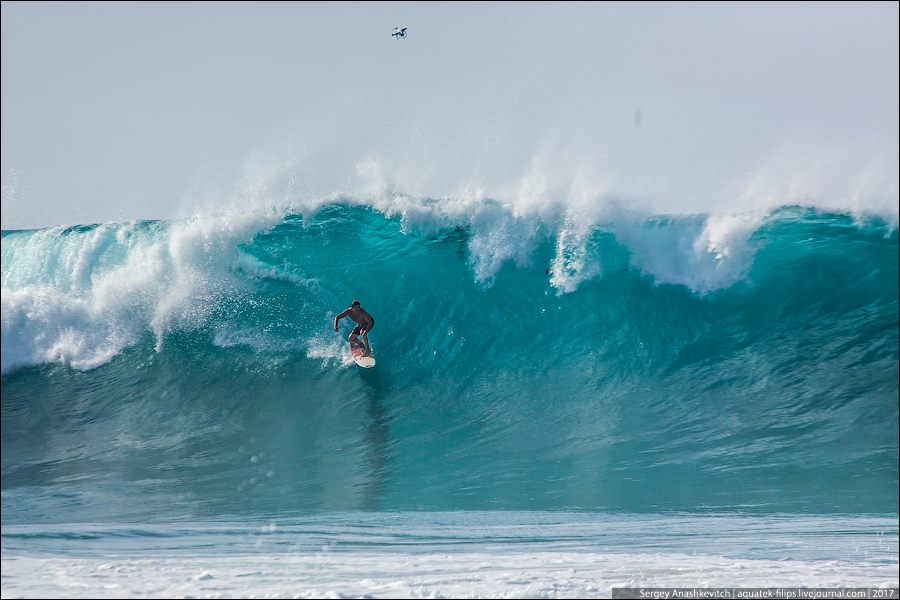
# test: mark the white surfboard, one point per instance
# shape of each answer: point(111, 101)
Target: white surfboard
point(364, 361)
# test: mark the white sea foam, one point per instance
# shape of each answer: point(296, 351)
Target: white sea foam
point(82, 297)
point(420, 575)
point(328, 348)
point(703, 253)
point(455, 555)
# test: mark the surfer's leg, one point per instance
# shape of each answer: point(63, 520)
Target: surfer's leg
point(354, 337)
point(365, 338)
point(354, 340)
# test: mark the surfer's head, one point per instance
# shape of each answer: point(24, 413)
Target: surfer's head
point(354, 303)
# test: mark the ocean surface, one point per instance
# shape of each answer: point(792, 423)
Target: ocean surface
point(564, 402)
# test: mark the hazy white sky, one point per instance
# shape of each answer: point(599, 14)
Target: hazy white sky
point(119, 111)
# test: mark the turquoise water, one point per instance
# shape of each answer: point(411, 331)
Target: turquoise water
point(188, 369)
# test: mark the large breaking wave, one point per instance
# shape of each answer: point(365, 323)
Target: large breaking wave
point(544, 359)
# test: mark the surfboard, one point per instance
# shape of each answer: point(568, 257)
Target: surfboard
point(364, 361)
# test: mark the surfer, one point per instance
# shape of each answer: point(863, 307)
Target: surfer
point(364, 324)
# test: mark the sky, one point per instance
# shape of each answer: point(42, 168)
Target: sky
point(121, 111)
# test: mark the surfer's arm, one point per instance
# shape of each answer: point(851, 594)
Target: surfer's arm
point(339, 317)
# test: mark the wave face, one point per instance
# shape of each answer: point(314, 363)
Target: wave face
point(188, 369)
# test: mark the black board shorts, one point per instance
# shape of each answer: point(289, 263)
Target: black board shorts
point(359, 328)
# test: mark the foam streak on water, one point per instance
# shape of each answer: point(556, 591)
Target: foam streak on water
point(439, 555)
